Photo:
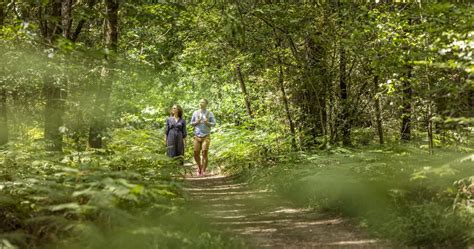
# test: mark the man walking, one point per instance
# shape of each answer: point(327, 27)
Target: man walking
point(202, 121)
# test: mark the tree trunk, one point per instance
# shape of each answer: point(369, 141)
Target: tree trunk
point(54, 26)
point(312, 92)
point(405, 133)
point(66, 18)
point(281, 83)
point(98, 124)
point(378, 112)
point(3, 95)
point(344, 116)
point(430, 129)
point(3, 116)
point(331, 118)
point(53, 116)
point(2, 13)
point(54, 109)
point(80, 24)
point(111, 24)
point(345, 125)
point(315, 75)
point(285, 102)
point(244, 91)
point(430, 117)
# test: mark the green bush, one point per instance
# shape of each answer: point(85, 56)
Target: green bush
point(237, 149)
point(430, 225)
point(126, 196)
point(398, 193)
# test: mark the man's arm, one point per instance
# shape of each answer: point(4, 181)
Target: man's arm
point(193, 120)
point(212, 121)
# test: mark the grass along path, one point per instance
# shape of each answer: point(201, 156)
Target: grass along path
point(264, 220)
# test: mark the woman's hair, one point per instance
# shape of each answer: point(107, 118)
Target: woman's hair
point(180, 111)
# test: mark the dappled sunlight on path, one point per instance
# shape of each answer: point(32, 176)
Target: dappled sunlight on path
point(266, 220)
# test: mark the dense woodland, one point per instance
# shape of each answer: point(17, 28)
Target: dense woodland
point(362, 109)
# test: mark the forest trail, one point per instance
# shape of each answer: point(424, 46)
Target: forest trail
point(265, 220)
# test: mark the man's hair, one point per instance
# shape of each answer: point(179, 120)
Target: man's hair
point(205, 100)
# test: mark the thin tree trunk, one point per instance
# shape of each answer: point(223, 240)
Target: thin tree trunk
point(405, 133)
point(3, 116)
point(315, 87)
point(378, 112)
point(4, 132)
point(281, 83)
point(80, 24)
point(285, 102)
point(345, 126)
point(314, 108)
point(244, 92)
point(98, 125)
point(331, 120)
point(430, 129)
point(54, 26)
point(3, 95)
point(430, 118)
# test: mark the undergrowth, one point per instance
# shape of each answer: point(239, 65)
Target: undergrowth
point(399, 193)
point(126, 196)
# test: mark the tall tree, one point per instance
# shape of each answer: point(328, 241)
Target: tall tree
point(378, 111)
point(344, 115)
point(344, 118)
point(281, 83)
point(98, 124)
point(3, 93)
point(405, 131)
point(82, 21)
point(53, 92)
point(243, 88)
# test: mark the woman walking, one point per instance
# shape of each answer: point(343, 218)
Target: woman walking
point(175, 133)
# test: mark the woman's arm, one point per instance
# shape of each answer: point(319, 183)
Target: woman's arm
point(167, 129)
point(185, 132)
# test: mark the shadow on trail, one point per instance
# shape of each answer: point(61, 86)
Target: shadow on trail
point(265, 220)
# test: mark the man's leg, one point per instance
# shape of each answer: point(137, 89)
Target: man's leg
point(204, 160)
point(197, 158)
point(197, 154)
point(205, 148)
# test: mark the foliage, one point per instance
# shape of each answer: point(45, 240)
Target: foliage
point(287, 82)
point(396, 192)
point(236, 150)
point(87, 199)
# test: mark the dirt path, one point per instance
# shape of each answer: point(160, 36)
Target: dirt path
point(266, 221)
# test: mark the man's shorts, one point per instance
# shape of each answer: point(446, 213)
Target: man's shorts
point(202, 143)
